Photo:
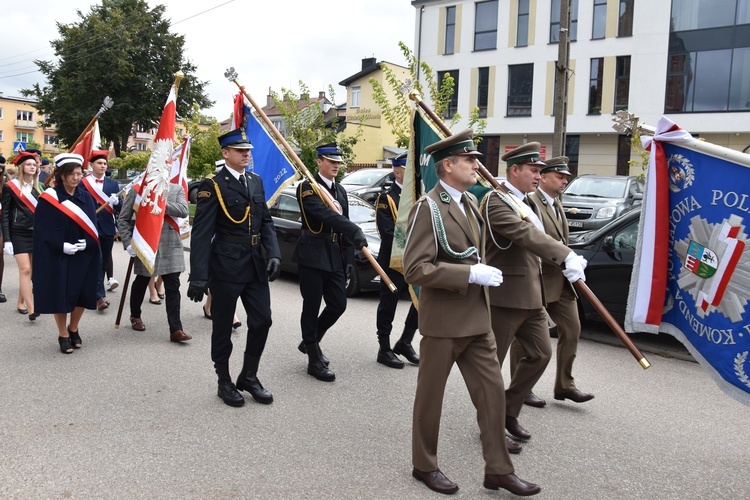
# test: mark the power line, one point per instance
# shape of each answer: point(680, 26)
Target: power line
point(104, 47)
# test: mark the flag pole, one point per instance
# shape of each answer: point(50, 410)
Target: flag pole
point(106, 104)
point(580, 284)
point(124, 292)
point(231, 75)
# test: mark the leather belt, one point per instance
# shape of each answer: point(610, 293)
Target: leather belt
point(252, 239)
point(334, 237)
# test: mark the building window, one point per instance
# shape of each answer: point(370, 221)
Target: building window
point(27, 116)
point(452, 108)
point(356, 91)
point(25, 137)
point(485, 26)
point(554, 26)
point(595, 86)
point(624, 146)
point(625, 21)
point(520, 89)
point(572, 144)
point(483, 90)
point(600, 19)
point(51, 140)
point(141, 146)
point(141, 128)
point(522, 31)
point(622, 82)
point(709, 58)
point(1, 113)
point(1, 136)
point(450, 29)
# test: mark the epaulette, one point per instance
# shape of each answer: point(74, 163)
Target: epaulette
point(307, 192)
point(210, 176)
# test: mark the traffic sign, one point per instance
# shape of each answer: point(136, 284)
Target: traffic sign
point(19, 146)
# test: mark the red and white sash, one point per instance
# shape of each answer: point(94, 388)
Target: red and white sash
point(72, 211)
point(101, 198)
point(28, 200)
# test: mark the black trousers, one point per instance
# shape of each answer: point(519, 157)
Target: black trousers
point(172, 292)
point(316, 285)
point(106, 243)
point(389, 302)
point(256, 298)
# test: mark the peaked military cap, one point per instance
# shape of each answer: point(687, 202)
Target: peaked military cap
point(460, 144)
point(330, 151)
point(528, 154)
point(68, 159)
point(45, 161)
point(236, 139)
point(400, 160)
point(556, 164)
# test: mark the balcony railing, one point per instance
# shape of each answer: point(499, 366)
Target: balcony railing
point(26, 124)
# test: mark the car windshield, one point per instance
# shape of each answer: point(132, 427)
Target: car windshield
point(363, 177)
point(597, 187)
point(360, 211)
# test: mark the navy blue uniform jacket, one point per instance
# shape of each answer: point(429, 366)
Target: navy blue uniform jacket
point(230, 256)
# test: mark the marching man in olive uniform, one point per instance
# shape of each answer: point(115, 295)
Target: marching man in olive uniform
point(386, 212)
point(325, 248)
point(231, 224)
point(558, 291)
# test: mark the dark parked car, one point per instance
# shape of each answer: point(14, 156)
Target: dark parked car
point(591, 201)
point(286, 217)
point(610, 252)
point(368, 183)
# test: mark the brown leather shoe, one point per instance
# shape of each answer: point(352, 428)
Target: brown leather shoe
point(436, 481)
point(574, 395)
point(102, 304)
point(513, 447)
point(137, 325)
point(179, 336)
point(512, 483)
point(515, 429)
point(534, 400)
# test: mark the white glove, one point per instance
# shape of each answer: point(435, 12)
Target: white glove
point(8, 248)
point(574, 266)
point(70, 248)
point(130, 251)
point(113, 200)
point(485, 275)
point(81, 244)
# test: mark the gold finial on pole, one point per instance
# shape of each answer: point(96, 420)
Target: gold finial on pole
point(177, 79)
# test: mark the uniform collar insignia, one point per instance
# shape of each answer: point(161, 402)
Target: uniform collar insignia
point(445, 197)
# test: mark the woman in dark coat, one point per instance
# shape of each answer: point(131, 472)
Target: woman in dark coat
point(2, 261)
point(66, 251)
point(19, 200)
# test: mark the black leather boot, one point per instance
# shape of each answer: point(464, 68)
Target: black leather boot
point(315, 365)
point(386, 355)
point(404, 348)
point(227, 390)
point(323, 358)
point(248, 381)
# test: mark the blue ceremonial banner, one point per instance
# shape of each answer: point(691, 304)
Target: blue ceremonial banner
point(269, 160)
point(691, 276)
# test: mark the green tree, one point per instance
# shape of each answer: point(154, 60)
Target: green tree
point(398, 114)
point(122, 49)
point(309, 123)
point(204, 150)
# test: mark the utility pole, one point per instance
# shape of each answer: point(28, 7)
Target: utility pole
point(561, 80)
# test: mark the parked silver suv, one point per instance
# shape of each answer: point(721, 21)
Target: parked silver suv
point(591, 201)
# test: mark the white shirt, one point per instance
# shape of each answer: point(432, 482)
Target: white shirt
point(455, 194)
point(550, 201)
point(523, 207)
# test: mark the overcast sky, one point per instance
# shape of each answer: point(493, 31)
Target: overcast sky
point(272, 43)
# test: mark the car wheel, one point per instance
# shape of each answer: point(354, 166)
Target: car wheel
point(352, 281)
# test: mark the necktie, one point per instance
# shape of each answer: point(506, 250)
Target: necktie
point(243, 181)
point(473, 223)
point(100, 181)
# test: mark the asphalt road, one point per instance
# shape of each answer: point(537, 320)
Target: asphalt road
point(132, 415)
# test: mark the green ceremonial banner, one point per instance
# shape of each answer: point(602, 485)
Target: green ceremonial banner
point(419, 178)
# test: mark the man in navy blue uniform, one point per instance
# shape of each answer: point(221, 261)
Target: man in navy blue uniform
point(104, 191)
point(386, 212)
point(324, 249)
point(231, 224)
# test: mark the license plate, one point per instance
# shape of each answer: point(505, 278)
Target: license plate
point(575, 223)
